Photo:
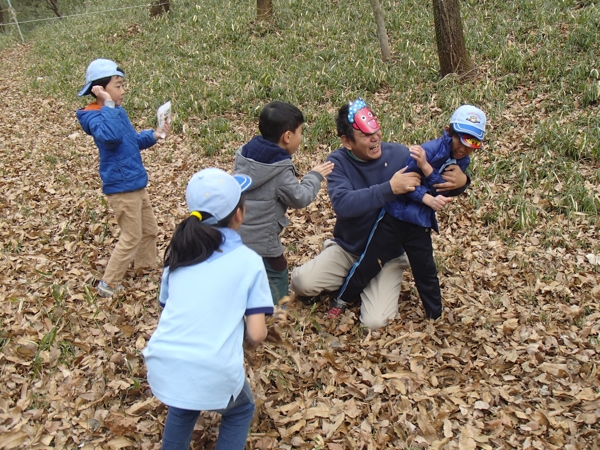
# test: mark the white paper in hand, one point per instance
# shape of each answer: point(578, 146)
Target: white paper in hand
point(164, 116)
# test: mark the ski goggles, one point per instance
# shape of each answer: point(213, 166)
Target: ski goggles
point(470, 141)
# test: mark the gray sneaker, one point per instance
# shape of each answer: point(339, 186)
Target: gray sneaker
point(104, 290)
point(336, 308)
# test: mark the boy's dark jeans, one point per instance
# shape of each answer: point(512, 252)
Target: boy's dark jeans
point(277, 272)
point(391, 235)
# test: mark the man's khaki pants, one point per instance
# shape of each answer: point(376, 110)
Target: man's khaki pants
point(328, 271)
point(137, 242)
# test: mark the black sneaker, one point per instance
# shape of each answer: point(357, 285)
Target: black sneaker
point(309, 301)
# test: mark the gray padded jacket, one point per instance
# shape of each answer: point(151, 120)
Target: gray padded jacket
point(274, 189)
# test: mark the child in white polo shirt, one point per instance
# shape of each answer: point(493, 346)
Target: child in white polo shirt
point(215, 295)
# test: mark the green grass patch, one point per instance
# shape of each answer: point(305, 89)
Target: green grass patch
point(538, 78)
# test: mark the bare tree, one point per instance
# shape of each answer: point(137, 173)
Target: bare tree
point(264, 10)
point(452, 51)
point(159, 7)
point(53, 5)
point(381, 32)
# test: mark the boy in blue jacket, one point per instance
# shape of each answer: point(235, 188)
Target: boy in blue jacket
point(122, 171)
point(407, 221)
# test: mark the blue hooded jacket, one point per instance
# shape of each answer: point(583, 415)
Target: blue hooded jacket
point(121, 166)
point(410, 207)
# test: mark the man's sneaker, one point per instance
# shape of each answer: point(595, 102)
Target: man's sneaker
point(106, 291)
point(337, 308)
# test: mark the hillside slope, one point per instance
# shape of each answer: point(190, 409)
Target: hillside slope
point(513, 363)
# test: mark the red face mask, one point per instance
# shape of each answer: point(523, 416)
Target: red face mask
point(365, 121)
point(361, 117)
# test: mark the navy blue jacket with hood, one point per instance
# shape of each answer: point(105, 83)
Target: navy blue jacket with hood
point(410, 207)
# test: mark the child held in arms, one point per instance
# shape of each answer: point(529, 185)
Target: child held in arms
point(268, 160)
point(122, 171)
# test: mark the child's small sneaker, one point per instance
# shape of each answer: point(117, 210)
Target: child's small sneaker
point(106, 291)
point(337, 308)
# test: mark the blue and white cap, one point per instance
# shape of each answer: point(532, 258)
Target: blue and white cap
point(216, 192)
point(469, 120)
point(98, 69)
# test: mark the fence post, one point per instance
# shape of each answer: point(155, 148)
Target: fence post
point(12, 11)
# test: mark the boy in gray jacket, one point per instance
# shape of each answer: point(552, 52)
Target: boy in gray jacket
point(267, 159)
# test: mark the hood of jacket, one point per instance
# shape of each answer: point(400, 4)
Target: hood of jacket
point(253, 159)
point(261, 150)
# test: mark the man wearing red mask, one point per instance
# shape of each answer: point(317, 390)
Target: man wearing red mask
point(368, 173)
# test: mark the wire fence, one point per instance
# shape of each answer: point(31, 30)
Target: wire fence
point(16, 23)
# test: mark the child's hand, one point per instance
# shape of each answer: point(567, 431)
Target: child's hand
point(323, 168)
point(163, 132)
point(255, 330)
point(418, 154)
point(101, 93)
point(436, 203)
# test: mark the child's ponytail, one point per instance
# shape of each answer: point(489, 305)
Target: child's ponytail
point(193, 241)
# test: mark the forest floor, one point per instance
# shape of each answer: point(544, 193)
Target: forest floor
point(513, 362)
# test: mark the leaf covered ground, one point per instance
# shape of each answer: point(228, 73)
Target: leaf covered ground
point(513, 363)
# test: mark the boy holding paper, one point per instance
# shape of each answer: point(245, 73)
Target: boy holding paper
point(122, 171)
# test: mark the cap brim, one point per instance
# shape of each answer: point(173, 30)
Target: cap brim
point(243, 180)
point(85, 90)
point(469, 129)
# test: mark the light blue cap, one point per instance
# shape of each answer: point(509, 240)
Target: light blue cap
point(216, 192)
point(469, 120)
point(99, 68)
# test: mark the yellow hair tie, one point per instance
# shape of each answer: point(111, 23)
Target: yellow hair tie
point(196, 214)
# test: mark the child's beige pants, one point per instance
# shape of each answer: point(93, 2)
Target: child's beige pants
point(328, 271)
point(137, 242)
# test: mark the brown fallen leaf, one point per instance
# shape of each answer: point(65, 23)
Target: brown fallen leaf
point(9, 441)
point(558, 370)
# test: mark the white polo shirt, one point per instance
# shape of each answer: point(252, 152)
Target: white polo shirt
point(195, 358)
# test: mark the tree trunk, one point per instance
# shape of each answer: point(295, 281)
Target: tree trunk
point(264, 10)
point(381, 32)
point(159, 7)
point(53, 5)
point(3, 21)
point(452, 51)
